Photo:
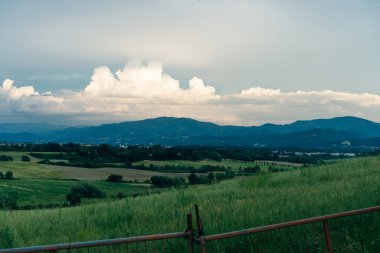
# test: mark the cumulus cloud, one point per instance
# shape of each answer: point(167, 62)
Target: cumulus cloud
point(305, 97)
point(144, 90)
point(9, 92)
point(149, 81)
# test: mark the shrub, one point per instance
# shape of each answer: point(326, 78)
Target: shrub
point(114, 178)
point(210, 178)
point(6, 236)
point(8, 175)
point(179, 182)
point(255, 169)
point(83, 191)
point(87, 191)
point(8, 200)
point(25, 158)
point(193, 179)
point(6, 158)
point(220, 176)
point(162, 181)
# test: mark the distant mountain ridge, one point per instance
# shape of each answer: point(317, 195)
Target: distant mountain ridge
point(340, 132)
point(13, 128)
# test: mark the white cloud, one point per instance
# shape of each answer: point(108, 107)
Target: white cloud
point(143, 91)
point(10, 92)
point(305, 97)
point(149, 82)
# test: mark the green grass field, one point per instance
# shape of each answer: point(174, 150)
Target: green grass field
point(30, 169)
point(36, 192)
point(230, 205)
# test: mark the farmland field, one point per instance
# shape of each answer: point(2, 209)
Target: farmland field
point(102, 173)
point(230, 205)
point(34, 170)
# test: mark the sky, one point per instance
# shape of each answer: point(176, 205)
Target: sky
point(229, 62)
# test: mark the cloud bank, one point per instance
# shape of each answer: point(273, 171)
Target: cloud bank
point(141, 91)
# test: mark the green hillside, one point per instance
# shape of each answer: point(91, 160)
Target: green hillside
point(230, 205)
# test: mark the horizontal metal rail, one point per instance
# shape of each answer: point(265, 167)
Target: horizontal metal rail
point(289, 224)
point(98, 243)
point(188, 234)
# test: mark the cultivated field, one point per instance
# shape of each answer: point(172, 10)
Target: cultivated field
point(34, 170)
point(91, 174)
point(230, 205)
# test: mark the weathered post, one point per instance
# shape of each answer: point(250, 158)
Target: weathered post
point(328, 236)
point(190, 236)
point(202, 242)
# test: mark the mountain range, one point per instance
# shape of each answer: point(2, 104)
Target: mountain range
point(335, 133)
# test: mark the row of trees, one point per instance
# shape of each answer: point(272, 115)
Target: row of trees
point(6, 158)
point(165, 181)
point(181, 168)
point(81, 155)
point(177, 182)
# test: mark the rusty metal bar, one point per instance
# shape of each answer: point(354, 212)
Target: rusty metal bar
point(189, 233)
point(289, 224)
point(328, 236)
point(90, 244)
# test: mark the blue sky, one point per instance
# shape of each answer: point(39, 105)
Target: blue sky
point(285, 54)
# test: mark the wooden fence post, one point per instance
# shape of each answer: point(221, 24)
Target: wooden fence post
point(202, 242)
point(190, 236)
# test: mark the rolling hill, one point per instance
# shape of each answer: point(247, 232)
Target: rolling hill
point(341, 132)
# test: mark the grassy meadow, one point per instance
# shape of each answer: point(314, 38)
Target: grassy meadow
point(36, 192)
point(230, 205)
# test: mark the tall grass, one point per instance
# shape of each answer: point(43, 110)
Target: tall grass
point(231, 205)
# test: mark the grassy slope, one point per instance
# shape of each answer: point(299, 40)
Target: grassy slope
point(43, 192)
point(230, 205)
point(30, 169)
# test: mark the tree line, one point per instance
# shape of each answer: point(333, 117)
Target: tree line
point(93, 155)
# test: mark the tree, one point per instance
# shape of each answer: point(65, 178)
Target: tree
point(1, 175)
point(6, 158)
point(87, 191)
point(8, 175)
point(25, 158)
point(114, 178)
point(210, 178)
point(162, 181)
point(193, 179)
point(230, 174)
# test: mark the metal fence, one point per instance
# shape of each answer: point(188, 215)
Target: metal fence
point(352, 231)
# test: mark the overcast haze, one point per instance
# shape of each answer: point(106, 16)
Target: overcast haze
point(229, 62)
